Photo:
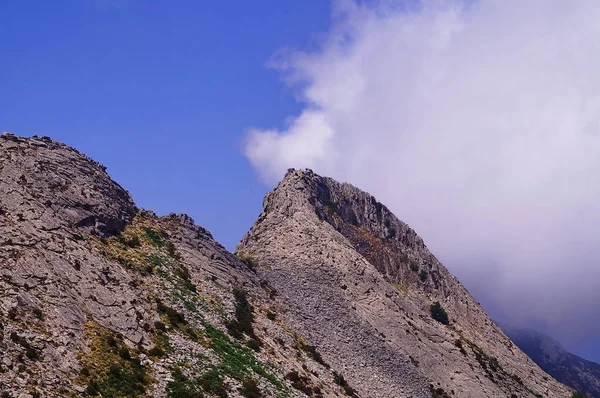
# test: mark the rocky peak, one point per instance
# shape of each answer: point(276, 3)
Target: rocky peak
point(54, 186)
point(329, 295)
point(349, 267)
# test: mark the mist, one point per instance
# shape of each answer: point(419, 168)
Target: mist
point(477, 123)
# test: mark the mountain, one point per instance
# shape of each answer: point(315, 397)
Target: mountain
point(549, 354)
point(328, 295)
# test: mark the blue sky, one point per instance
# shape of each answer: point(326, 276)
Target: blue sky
point(160, 94)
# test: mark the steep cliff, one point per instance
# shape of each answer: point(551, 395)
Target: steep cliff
point(99, 298)
point(329, 295)
point(364, 287)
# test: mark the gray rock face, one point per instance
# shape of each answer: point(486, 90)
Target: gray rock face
point(98, 298)
point(360, 283)
point(328, 296)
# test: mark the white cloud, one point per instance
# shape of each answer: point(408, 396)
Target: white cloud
point(478, 124)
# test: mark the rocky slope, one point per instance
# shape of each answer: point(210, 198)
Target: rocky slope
point(550, 355)
point(99, 298)
point(328, 296)
point(360, 284)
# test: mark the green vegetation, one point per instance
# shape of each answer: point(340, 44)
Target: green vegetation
point(177, 321)
point(244, 317)
point(146, 248)
point(110, 368)
point(236, 359)
point(248, 259)
point(423, 275)
point(157, 238)
point(182, 386)
point(212, 383)
point(250, 389)
point(413, 266)
point(439, 313)
point(577, 394)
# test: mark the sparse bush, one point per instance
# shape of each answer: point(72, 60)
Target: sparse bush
point(212, 383)
point(157, 238)
point(301, 383)
point(413, 266)
point(254, 344)
point(311, 350)
point(339, 380)
point(133, 242)
point(244, 316)
point(250, 389)
point(182, 387)
point(459, 344)
point(439, 313)
point(174, 317)
point(111, 369)
point(423, 275)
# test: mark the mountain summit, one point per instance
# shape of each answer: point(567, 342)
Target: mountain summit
point(328, 295)
point(364, 287)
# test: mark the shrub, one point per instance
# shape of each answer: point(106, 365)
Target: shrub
point(182, 387)
point(250, 389)
point(174, 317)
point(212, 383)
point(459, 344)
point(423, 275)
point(157, 238)
point(413, 266)
point(133, 242)
point(339, 380)
point(439, 313)
point(311, 350)
point(244, 316)
point(301, 383)
point(110, 368)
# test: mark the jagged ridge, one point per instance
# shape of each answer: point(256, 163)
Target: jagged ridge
point(360, 283)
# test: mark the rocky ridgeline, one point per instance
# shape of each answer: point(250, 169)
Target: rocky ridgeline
point(329, 295)
point(361, 284)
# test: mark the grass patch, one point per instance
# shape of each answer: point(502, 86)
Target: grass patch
point(182, 386)
point(110, 368)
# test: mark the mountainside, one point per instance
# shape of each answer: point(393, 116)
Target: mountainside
point(328, 295)
point(550, 355)
point(99, 298)
point(360, 284)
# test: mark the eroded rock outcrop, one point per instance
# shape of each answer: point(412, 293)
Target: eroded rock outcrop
point(360, 283)
point(329, 295)
point(99, 298)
